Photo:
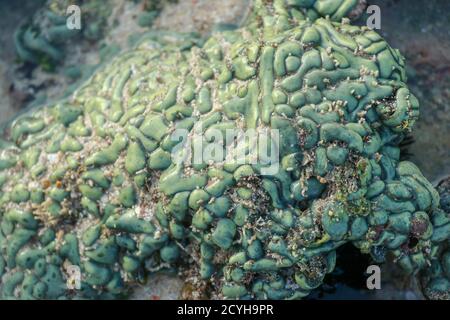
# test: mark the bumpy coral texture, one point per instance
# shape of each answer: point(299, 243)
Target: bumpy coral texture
point(41, 41)
point(90, 181)
point(436, 280)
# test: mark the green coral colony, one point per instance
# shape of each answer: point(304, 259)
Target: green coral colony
point(89, 181)
point(42, 40)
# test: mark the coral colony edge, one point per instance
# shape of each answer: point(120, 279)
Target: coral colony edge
point(91, 181)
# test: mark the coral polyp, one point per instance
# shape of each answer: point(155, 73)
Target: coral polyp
point(91, 181)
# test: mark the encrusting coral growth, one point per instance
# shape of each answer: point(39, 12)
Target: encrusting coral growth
point(42, 40)
point(437, 277)
point(90, 181)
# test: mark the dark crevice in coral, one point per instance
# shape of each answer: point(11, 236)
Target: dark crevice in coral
point(349, 275)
